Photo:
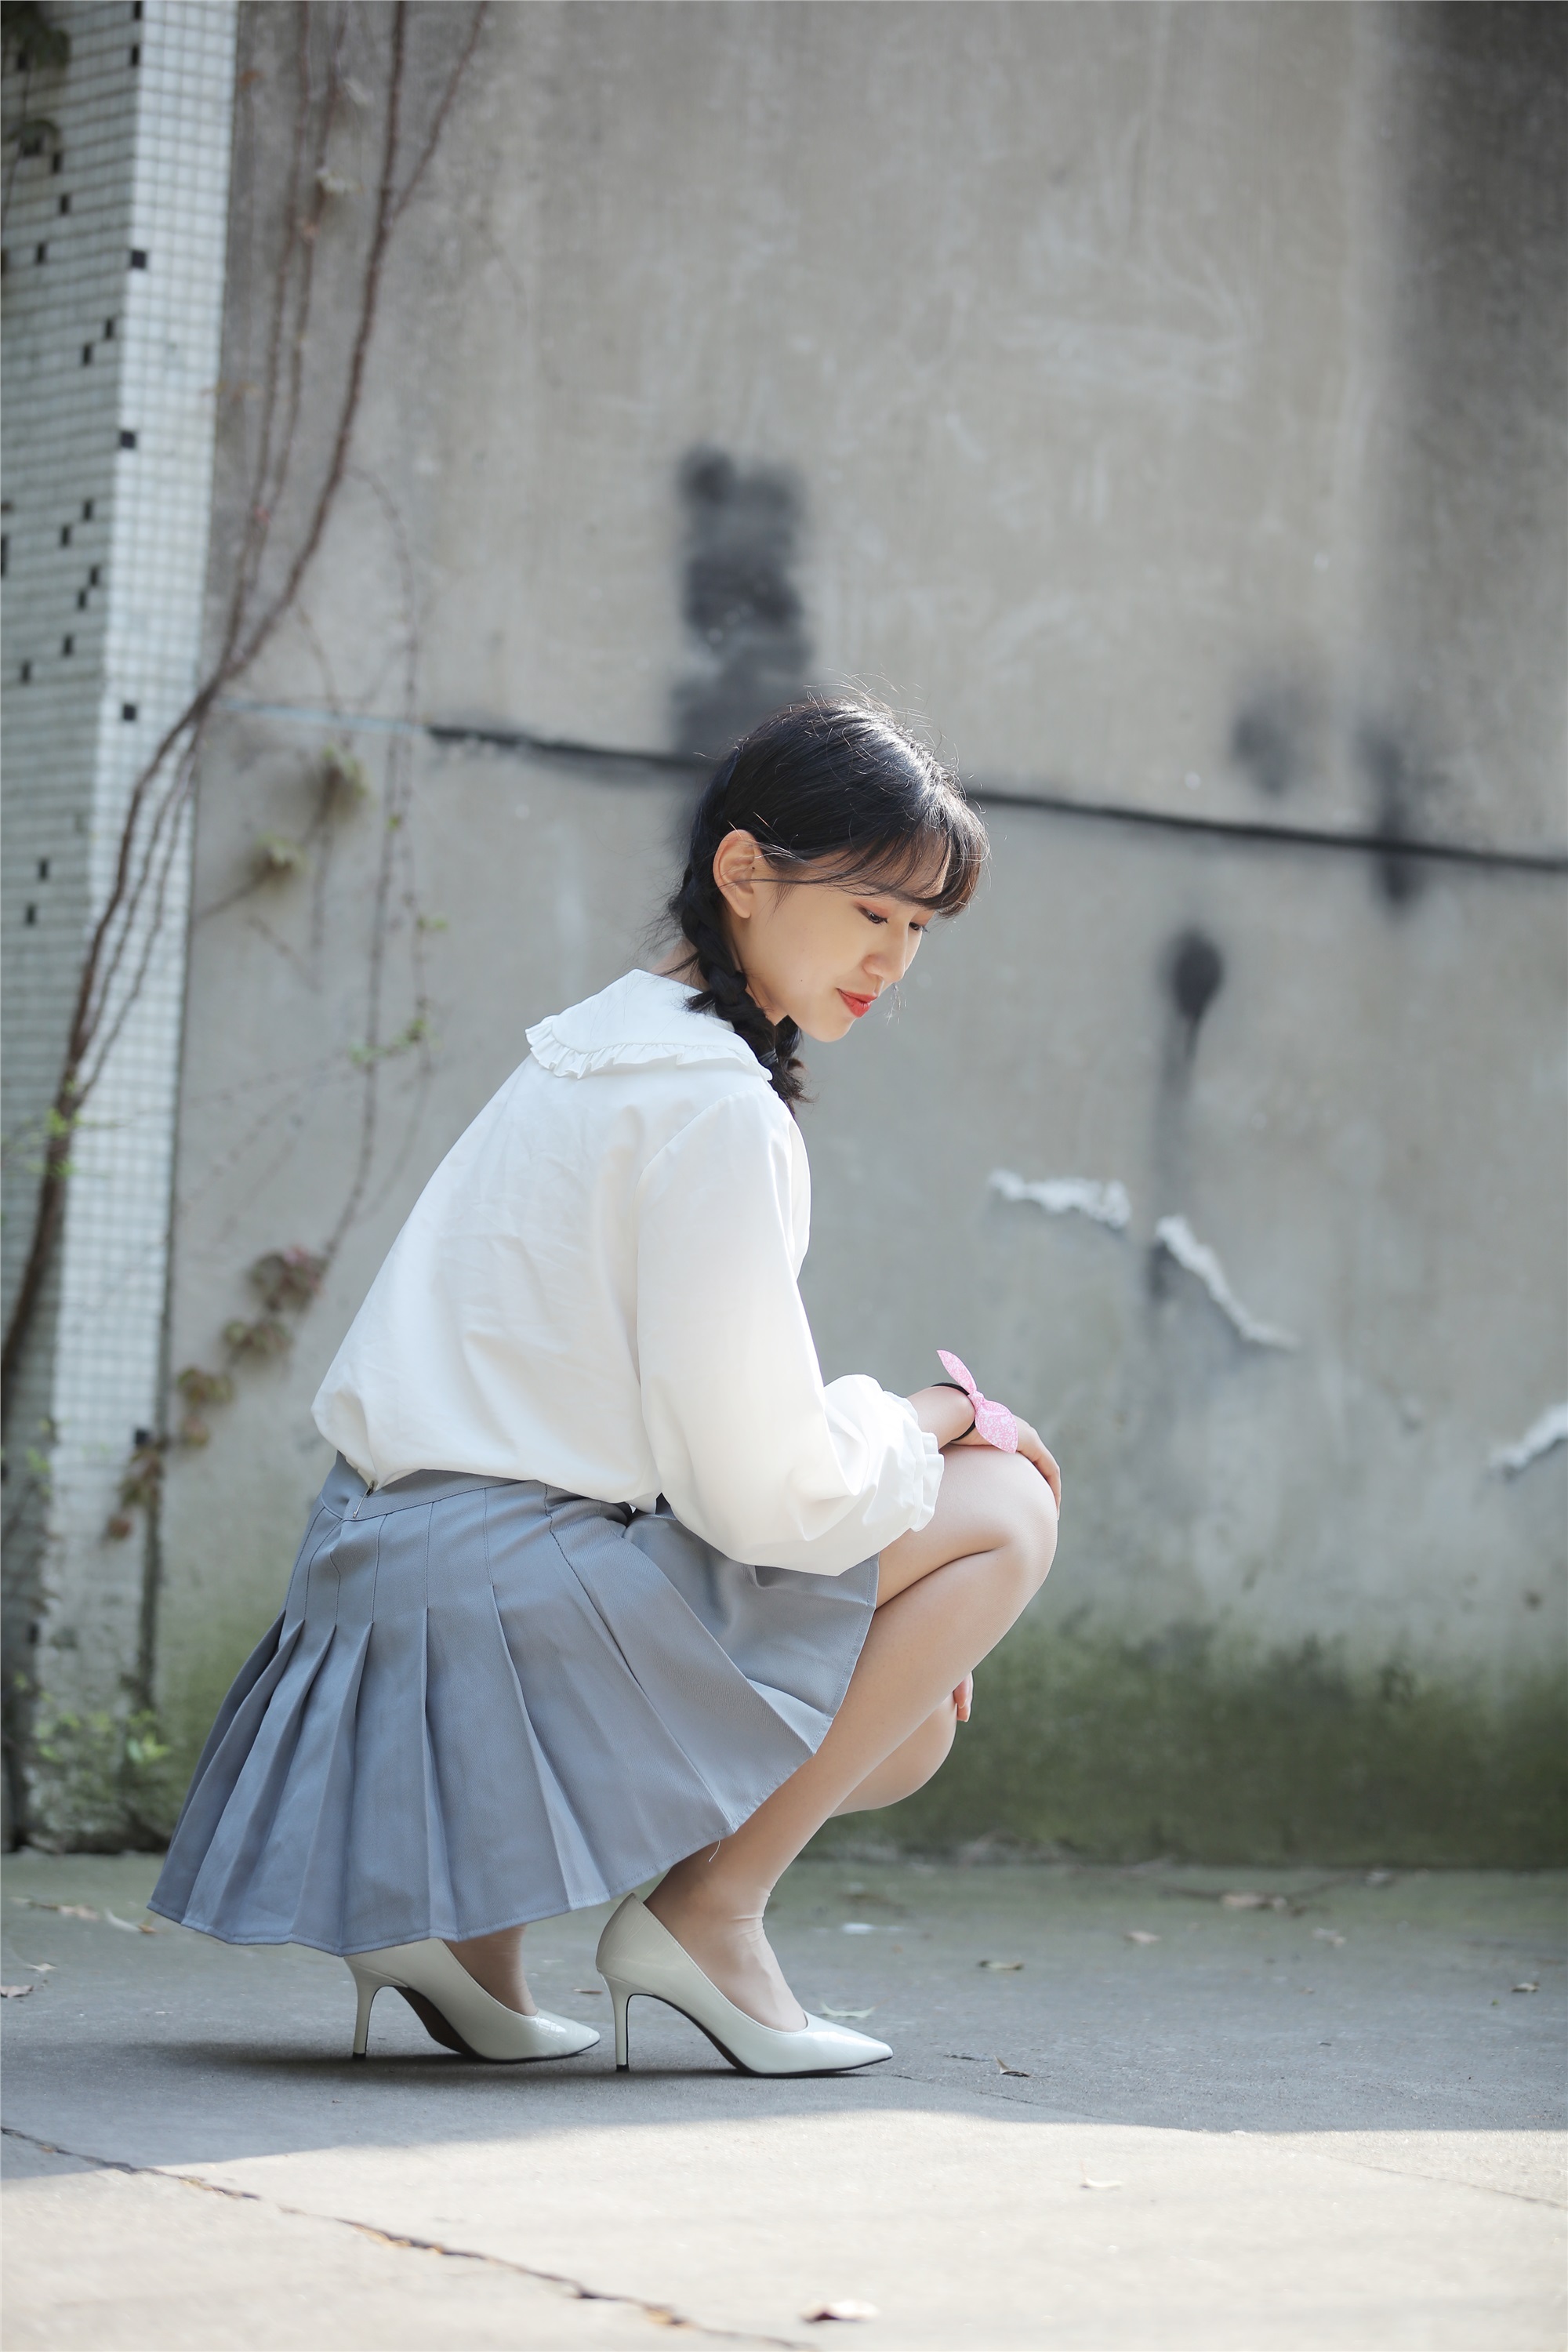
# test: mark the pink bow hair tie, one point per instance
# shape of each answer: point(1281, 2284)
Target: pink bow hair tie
point(993, 1422)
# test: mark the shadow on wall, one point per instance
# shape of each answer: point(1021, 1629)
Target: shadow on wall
point(739, 599)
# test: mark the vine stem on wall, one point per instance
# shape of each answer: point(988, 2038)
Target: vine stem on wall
point(119, 947)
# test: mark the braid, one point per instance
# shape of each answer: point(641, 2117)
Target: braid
point(698, 908)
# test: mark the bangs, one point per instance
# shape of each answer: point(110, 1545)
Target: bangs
point(945, 853)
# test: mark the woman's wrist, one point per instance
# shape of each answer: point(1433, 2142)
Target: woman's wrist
point(943, 1412)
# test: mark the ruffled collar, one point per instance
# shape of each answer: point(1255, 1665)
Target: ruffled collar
point(637, 1021)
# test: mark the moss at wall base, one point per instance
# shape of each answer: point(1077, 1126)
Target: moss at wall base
point(1106, 1750)
point(1119, 1753)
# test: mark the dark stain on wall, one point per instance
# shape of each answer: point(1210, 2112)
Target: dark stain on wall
point(1191, 974)
point(1195, 975)
point(1396, 790)
point(1271, 739)
point(740, 600)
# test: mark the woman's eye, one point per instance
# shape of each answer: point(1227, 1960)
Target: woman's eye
point(871, 915)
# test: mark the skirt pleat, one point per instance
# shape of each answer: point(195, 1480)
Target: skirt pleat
point(488, 1702)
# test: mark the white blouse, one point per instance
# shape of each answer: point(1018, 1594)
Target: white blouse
point(598, 1288)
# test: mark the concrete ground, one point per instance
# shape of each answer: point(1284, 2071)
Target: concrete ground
point(1123, 2112)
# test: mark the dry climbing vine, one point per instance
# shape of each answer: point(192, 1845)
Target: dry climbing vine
point(121, 945)
point(131, 920)
point(288, 506)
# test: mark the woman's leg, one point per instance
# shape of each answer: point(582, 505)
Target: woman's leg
point(946, 1596)
point(495, 1963)
point(912, 1764)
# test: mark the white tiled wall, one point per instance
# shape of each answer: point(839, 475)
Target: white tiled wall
point(111, 377)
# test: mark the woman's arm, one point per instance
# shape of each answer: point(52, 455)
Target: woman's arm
point(944, 1411)
point(752, 1451)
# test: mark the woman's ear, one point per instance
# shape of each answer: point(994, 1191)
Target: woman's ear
point(738, 866)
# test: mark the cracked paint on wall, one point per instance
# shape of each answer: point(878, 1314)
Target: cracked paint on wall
point(1174, 1235)
point(1549, 1429)
point(1106, 1203)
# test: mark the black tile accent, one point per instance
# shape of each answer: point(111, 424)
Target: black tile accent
point(27, 673)
point(128, 710)
point(138, 258)
point(31, 916)
point(41, 253)
point(87, 509)
point(65, 534)
point(126, 438)
point(65, 203)
point(86, 354)
point(67, 646)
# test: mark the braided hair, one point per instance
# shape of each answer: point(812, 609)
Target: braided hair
point(839, 782)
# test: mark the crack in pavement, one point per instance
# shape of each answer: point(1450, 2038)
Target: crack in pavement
point(663, 2315)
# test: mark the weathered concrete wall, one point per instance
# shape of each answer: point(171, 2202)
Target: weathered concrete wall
point(1169, 402)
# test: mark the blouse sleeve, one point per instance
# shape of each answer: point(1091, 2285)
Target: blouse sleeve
point(753, 1452)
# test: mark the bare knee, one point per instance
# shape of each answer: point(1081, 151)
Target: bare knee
point(910, 1766)
point(1023, 1512)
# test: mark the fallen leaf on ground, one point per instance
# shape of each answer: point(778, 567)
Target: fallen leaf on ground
point(131, 1926)
point(1021, 2071)
point(42, 1968)
point(66, 1910)
point(967, 2056)
point(1139, 1935)
point(1088, 2183)
point(844, 2306)
point(1243, 1901)
point(845, 2013)
point(857, 1927)
point(1003, 1968)
point(589, 1992)
point(1327, 1935)
point(1533, 1985)
point(17, 1992)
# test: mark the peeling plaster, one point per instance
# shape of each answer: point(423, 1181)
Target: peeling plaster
point(1106, 1203)
point(1175, 1235)
point(1549, 1429)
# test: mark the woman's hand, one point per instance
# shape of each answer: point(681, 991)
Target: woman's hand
point(1034, 1450)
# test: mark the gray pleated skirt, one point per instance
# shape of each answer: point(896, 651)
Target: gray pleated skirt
point(488, 1702)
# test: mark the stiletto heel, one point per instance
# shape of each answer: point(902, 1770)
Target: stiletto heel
point(638, 1954)
point(366, 1986)
point(620, 1995)
point(458, 2012)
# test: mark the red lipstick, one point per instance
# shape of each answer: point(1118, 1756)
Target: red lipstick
point(859, 1005)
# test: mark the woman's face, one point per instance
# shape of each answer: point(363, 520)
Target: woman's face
point(819, 951)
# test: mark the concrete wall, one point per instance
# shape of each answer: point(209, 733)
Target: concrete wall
point(1167, 403)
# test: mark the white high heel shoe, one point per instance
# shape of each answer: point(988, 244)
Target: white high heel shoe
point(456, 2011)
point(637, 1954)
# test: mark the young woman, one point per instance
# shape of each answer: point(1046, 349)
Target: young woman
point(605, 1582)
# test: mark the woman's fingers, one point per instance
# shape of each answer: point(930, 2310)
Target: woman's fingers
point(963, 1697)
point(1032, 1447)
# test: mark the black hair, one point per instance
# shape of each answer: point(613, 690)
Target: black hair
point(822, 780)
